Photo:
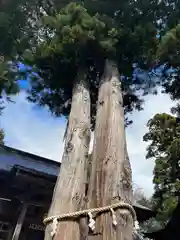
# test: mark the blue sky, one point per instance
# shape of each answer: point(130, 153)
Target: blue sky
point(33, 129)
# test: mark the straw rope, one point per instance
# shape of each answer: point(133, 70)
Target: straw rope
point(89, 212)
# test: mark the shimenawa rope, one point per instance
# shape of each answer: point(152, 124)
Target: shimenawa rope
point(89, 212)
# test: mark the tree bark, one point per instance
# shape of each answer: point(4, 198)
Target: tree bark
point(71, 184)
point(127, 176)
point(110, 179)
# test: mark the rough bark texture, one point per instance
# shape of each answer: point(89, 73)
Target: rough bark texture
point(71, 183)
point(127, 177)
point(110, 179)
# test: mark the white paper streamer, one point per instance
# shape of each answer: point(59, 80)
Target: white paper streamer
point(136, 225)
point(54, 227)
point(114, 220)
point(91, 222)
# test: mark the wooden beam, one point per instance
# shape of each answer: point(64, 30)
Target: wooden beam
point(20, 222)
point(39, 204)
point(5, 199)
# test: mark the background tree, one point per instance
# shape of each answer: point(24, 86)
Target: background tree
point(168, 56)
point(163, 135)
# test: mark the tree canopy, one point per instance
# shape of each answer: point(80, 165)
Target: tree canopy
point(130, 41)
point(138, 22)
point(135, 25)
point(164, 137)
point(168, 55)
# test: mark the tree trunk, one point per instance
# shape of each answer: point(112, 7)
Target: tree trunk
point(127, 176)
point(110, 179)
point(71, 183)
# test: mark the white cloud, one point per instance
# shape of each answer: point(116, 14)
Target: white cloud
point(34, 130)
point(31, 129)
point(142, 168)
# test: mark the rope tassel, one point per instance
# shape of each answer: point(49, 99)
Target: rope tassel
point(54, 227)
point(91, 224)
point(114, 220)
point(136, 225)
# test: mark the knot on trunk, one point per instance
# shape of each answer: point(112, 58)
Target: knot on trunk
point(77, 198)
point(101, 103)
point(69, 147)
point(84, 131)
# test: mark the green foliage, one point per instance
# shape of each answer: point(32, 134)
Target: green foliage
point(59, 40)
point(168, 49)
point(72, 30)
point(18, 28)
point(72, 40)
point(151, 225)
point(13, 39)
point(77, 36)
point(162, 129)
point(164, 148)
point(168, 53)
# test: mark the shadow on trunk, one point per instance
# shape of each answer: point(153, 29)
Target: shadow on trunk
point(70, 187)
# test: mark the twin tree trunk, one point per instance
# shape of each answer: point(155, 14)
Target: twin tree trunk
point(110, 179)
point(71, 183)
